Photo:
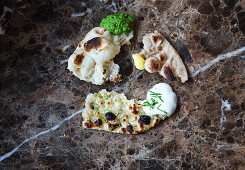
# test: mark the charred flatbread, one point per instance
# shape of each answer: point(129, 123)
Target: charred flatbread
point(113, 112)
point(161, 57)
point(92, 61)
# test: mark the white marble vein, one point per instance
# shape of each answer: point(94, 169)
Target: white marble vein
point(39, 134)
point(225, 106)
point(219, 58)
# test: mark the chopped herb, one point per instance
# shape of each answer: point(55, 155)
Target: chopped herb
point(153, 93)
point(147, 103)
point(140, 114)
point(118, 114)
point(159, 97)
point(163, 111)
point(166, 113)
point(90, 116)
point(156, 95)
point(154, 102)
point(96, 109)
point(101, 116)
point(100, 96)
point(95, 94)
point(108, 96)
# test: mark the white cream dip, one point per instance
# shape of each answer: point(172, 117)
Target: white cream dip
point(161, 100)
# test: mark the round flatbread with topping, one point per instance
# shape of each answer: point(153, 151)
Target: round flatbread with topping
point(92, 61)
point(112, 111)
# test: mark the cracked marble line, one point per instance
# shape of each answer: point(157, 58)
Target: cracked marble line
point(225, 106)
point(63, 61)
point(39, 134)
point(219, 58)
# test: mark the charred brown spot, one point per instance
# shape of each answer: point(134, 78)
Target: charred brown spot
point(78, 60)
point(126, 116)
point(92, 106)
point(179, 79)
point(154, 65)
point(157, 121)
point(93, 43)
point(108, 103)
point(124, 120)
point(168, 73)
point(110, 116)
point(162, 57)
point(157, 38)
point(124, 130)
point(150, 50)
point(88, 124)
point(79, 45)
point(101, 102)
point(142, 126)
point(130, 128)
point(98, 122)
point(117, 79)
point(134, 110)
point(145, 119)
point(159, 48)
point(113, 126)
point(130, 107)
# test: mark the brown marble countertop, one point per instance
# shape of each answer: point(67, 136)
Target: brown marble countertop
point(37, 91)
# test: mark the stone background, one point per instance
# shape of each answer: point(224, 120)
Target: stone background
point(37, 91)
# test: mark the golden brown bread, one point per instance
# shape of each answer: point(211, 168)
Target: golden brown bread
point(162, 57)
point(92, 61)
point(113, 112)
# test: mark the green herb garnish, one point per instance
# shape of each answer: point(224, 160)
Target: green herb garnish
point(101, 116)
point(156, 95)
point(162, 110)
point(151, 105)
point(140, 114)
point(108, 96)
point(153, 93)
point(146, 103)
point(100, 96)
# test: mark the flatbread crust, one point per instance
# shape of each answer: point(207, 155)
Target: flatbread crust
point(92, 61)
point(162, 57)
point(111, 111)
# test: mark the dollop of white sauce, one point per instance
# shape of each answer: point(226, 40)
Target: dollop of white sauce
point(161, 100)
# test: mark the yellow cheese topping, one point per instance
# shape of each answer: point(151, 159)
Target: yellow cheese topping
point(139, 61)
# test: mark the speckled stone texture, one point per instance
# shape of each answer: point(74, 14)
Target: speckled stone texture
point(37, 91)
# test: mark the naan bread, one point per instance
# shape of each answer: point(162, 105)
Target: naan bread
point(161, 57)
point(111, 111)
point(92, 61)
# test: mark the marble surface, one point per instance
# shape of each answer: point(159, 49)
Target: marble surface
point(37, 91)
